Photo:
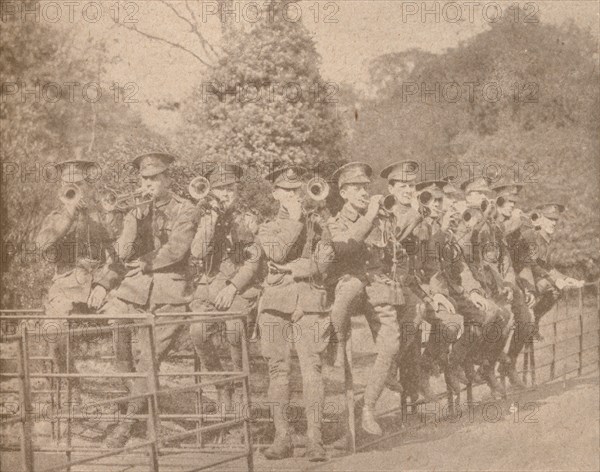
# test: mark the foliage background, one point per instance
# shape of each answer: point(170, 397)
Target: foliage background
point(558, 132)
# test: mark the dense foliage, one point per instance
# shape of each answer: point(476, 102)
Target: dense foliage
point(542, 132)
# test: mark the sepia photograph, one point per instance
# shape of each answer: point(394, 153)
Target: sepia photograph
point(300, 235)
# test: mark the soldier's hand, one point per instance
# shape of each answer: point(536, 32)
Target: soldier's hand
point(561, 284)
point(96, 297)
point(479, 301)
point(294, 208)
point(441, 301)
point(133, 268)
point(225, 297)
point(71, 205)
point(507, 292)
point(529, 299)
point(281, 268)
point(574, 282)
point(373, 208)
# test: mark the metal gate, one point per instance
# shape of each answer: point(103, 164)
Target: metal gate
point(154, 449)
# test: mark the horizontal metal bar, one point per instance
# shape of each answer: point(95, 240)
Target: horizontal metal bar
point(77, 375)
point(23, 310)
point(201, 429)
point(199, 373)
point(112, 452)
point(192, 388)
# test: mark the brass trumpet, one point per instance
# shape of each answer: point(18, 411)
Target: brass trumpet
point(386, 206)
point(199, 188)
point(111, 200)
point(317, 189)
point(70, 193)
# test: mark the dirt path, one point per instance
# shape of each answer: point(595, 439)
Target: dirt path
point(555, 429)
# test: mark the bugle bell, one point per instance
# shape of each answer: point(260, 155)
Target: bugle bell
point(388, 203)
point(484, 204)
point(70, 193)
point(199, 188)
point(317, 189)
point(425, 197)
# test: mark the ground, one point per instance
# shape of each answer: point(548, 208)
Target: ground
point(553, 427)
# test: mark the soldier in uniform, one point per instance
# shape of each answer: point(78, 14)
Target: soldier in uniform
point(433, 246)
point(362, 281)
point(507, 225)
point(418, 305)
point(221, 243)
point(154, 249)
point(294, 304)
point(547, 281)
point(81, 241)
point(477, 238)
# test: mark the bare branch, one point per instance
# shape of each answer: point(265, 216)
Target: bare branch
point(133, 27)
point(197, 32)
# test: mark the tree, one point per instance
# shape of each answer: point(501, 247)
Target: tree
point(544, 123)
point(265, 103)
point(38, 130)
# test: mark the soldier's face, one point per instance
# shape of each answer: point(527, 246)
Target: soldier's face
point(436, 205)
point(546, 224)
point(87, 189)
point(506, 210)
point(449, 203)
point(156, 186)
point(356, 195)
point(225, 195)
point(402, 191)
point(475, 198)
point(288, 195)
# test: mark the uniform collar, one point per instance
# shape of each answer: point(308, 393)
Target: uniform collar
point(349, 212)
point(283, 214)
point(163, 201)
point(545, 236)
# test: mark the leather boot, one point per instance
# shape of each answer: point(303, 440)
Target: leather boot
point(489, 374)
point(282, 448)
point(392, 383)
point(119, 436)
point(369, 423)
point(509, 370)
point(452, 378)
point(315, 452)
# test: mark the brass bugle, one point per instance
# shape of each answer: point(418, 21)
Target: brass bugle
point(425, 197)
point(317, 189)
point(484, 204)
point(199, 188)
point(70, 192)
point(111, 200)
point(388, 203)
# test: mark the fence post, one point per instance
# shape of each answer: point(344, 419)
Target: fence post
point(580, 369)
point(346, 347)
point(554, 334)
point(199, 408)
point(246, 396)
point(153, 386)
point(598, 308)
point(25, 394)
point(69, 392)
